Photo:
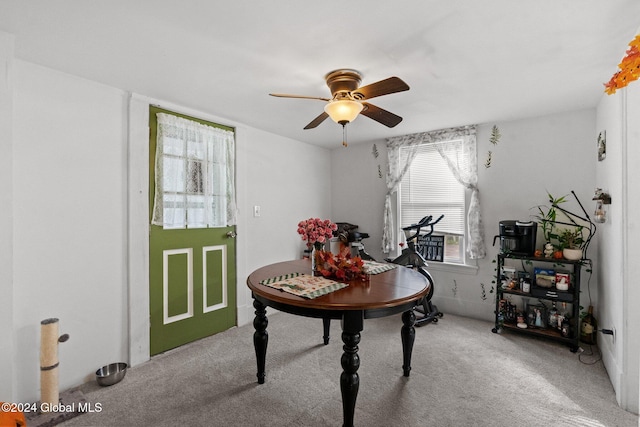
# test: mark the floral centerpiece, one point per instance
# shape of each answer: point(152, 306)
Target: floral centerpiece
point(315, 232)
point(341, 266)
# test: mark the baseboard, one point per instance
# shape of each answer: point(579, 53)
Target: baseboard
point(481, 310)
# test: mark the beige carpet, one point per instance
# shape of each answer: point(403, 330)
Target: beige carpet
point(463, 375)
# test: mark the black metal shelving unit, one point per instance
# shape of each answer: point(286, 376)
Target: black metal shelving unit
point(539, 295)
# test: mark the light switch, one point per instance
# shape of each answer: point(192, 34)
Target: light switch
point(256, 211)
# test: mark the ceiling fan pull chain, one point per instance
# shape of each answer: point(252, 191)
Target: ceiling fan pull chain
point(344, 134)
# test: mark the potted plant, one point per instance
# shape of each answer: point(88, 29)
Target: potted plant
point(571, 241)
point(547, 218)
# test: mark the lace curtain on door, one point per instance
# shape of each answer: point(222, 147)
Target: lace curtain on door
point(194, 172)
point(462, 161)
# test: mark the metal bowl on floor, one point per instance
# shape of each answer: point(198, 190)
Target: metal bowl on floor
point(111, 374)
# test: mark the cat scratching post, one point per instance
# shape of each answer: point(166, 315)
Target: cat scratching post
point(49, 392)
point(54, 408)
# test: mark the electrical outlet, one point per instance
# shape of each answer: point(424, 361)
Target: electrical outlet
point(611, 332)
point(256, 211)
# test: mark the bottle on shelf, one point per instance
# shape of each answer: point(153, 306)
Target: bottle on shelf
point(564, 321)
point(563, 313)
point(588, 327)
point(553, 316)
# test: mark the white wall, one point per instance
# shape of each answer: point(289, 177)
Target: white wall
point(69, 229)
point(7, 344)
point(73, 246)
point(288, 180)
point(610, 275)
point(630, 377)
point(358, 191)
point(619, 249)
point(552, 153)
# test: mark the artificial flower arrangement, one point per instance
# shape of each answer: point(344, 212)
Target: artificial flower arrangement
point(343, 266)
point(316, 231)
point(629, 68)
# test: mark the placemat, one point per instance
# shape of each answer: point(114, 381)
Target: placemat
point(304, 285)
point(374, 267)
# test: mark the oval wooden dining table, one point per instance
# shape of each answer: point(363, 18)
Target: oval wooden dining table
point(398, 290)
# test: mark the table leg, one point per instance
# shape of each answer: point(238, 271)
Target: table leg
point(260, 338)
point(326, 324)
point(408, 335)
point(352, 325)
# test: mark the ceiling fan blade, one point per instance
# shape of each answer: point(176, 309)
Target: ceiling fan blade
point(385, 117)
point(284, 95)
point(383, 87)
point(315, 122)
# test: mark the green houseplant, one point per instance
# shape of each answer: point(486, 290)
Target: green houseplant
point(569, 243)
point(571, 240)
point(547, 218)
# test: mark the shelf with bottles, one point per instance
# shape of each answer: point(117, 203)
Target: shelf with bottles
point(554, 320)
point(539, 277)
point(532, 293)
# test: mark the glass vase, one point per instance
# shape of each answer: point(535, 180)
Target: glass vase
point(316, 258)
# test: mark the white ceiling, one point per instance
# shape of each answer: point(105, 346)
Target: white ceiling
point(466, 61)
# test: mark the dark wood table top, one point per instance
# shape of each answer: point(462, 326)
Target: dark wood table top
point(393, 288)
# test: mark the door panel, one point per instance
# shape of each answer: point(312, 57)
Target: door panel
point(192, 276)
point(177, 285)
point(215, 279)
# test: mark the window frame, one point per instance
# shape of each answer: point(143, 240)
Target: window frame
point(467, 265)
point(153, 111)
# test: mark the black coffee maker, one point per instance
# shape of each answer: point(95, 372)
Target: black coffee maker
point(517, 237)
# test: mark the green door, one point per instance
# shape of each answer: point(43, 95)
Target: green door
point(192, 273)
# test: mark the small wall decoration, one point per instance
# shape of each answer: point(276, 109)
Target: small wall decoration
point(487, 163)
point(483, 292)
point(375, 154)
point(493, 139)
point(602, 145)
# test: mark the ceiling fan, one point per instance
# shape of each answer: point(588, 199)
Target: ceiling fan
point(348, 100)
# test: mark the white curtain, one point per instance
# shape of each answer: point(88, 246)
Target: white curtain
point(195, 175)
point(395, 172)
point(461, 158)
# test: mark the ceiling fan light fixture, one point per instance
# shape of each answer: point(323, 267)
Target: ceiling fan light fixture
point(343, 111)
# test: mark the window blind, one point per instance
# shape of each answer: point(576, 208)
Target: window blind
point(430, 188)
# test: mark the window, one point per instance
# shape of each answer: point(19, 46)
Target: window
point(194, 170)
point(429, 187)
